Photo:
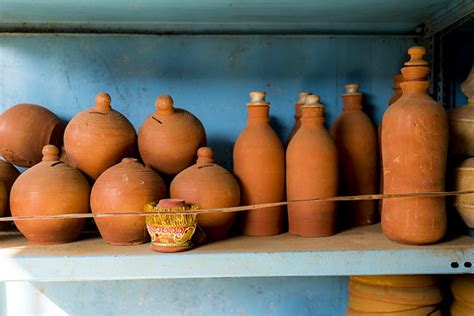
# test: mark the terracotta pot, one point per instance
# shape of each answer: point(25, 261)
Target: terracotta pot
point(259, 166)
point(462, 121)
point(395, 280)
point(311, 178)
point(24, 130)
point(301, 101)
point(370, 306)
point(421, 311)
point(124, 188)
point(98, 138)
point(208, 185)
point(414, 152)
point(50, 188)
point(8, 175)
point(459, 308)
point(169, 138)
point(356, 140)
point(465, 181)
point(463, 288)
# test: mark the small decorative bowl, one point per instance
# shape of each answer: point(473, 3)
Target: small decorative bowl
point(171, 232)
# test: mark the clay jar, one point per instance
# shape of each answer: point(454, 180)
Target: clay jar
point(24, 130)
point(311, 172)
point(98, 138)
point(208, 185)
point(259, 166)
point(414, 152)
point(356, 141)
point(301, 100)
point(126, 187)
point(50, 188)
point(169, 138)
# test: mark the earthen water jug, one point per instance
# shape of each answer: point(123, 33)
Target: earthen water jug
point(24, 130)
point(50, 188)
point(169, 138)
point(356, 140)
point(414, 144)
point(461, 121)
point(301, 100)
point(208, 185)
point(124, 188)
point(311, 172)
point(98, 138)
point(259, 166)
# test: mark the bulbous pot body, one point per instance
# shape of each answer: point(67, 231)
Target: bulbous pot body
point(465, 181)
point(50, 188)
point(259, 166)
point(356, 141)
point(24, 130)
point(169, 138)
point(311, 172)
point(98, 138)
point(208, 185)
point(123, 188)
point(461, 133)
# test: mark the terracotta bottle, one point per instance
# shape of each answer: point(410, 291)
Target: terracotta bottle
point(414, 144)
point(24, 130)
point(126, 187)
point(461, 121)
point(208, 185)
point(311, 172)
point(50, 188)
point(169, 138)
point(301, 100)
point(259, 166)
point(356, 140)
point(98, 138)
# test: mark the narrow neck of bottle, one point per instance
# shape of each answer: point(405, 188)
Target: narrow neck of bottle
point(414, 87)
point(312, 116)
point(352, 102)
point(258, 114)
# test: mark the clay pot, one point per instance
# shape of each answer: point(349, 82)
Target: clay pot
point(301, 101)
point(311, 178)
point(98, 138)
point(50, 188)
point(124, 188)
point(259, 166)
point(465, 181)
point(463, 288)
point(356, 140)
point(24, 130)
point(208, 185)
point(414, 152)
point(169, 138)
point(395, 280)
point(462, 121)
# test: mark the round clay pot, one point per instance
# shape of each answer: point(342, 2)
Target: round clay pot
point(459, 308)
point(370, 306)
point(98, 138)
point(414, 152)
point(356, 140)
point(50, 188)
point(208, 185)
point(420, 311)
point(465, 181)
point(126, 187)
point(395, 280)
point(169, 138)
point(301, 101)
point(8, 175)
point(311, 178)
point(259, 166)
point(24, 130)
point(461, 121)
point(463, 288)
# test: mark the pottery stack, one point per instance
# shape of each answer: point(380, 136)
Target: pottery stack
point(462, 288)
point(401, 295)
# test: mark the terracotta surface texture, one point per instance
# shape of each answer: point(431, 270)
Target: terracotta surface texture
point(50, 188)
point(311, 172)
point(259, 166)
point(414, 152)
point(208, 185)
point(464, 180)
point(301, 101)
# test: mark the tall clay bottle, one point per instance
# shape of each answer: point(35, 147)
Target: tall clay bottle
point(301, 100)
point(356, 140)
point(208, 185)
point(311, 172)
point(415, 145)
point(259, 166)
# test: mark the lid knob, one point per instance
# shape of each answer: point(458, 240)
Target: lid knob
point(257, 96)
point(102, 102)
point(50, 153)
point(312, 100)
point(302, 97)
point(164, 104)
point(352, 88)
point(129, 160)
point(205, 154)
point(170, 203)
point(416, 56)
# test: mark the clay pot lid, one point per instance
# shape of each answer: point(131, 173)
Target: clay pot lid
point(257, 98)
point(102, 103)
point(171, 203)
point(302, 97)
point(416, 68)
point(205, 155)
point(312, 101)
point(352, 89)
point(50, 153)
point(164, 105)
